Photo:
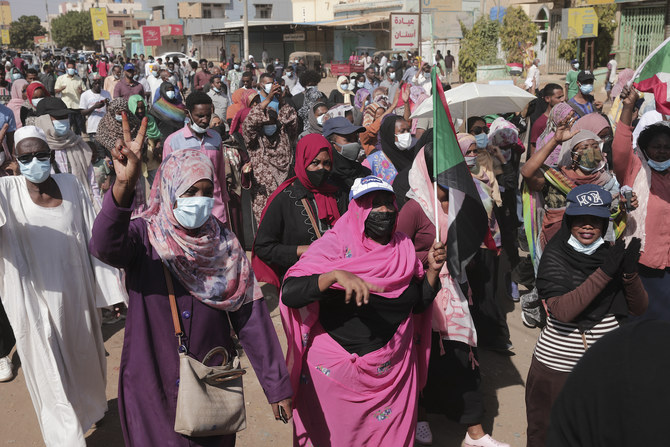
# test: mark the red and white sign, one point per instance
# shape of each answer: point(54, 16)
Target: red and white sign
point(405, 30)
point(176, 30)
point(151, 36)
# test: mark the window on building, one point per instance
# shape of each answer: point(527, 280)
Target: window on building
point(263, 11)
point(141, 22)
point(206, 12)
point(117, 23)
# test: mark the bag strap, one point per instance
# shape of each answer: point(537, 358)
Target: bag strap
point(310, 214)
point(173, 309)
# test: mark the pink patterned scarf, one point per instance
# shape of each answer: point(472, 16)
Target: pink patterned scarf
point(208, 261)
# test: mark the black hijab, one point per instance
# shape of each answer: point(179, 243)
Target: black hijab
point(563, 269)
point(400, 159)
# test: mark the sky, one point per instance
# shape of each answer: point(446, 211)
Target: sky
point(36, 7)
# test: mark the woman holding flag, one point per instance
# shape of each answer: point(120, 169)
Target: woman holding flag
point(453, 381)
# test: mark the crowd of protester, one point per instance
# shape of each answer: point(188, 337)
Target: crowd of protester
point(124, 176)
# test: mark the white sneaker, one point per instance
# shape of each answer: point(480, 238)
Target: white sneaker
point(423, 434)
point(6, 369)
point(485, 441)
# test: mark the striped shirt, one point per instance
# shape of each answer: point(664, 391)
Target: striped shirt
point(561, 345)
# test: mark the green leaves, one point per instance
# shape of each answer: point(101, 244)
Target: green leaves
point(478, 47)
point(23, 30)
point(517, 29)
point(73, 29)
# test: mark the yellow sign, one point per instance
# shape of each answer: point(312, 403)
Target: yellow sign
point(579, 23)
point(99, 22)
point(5, 36)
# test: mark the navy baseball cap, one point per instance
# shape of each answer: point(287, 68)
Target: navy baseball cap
point(589, 200)
point(368, 184)
point(128, 67)
point(341, 126)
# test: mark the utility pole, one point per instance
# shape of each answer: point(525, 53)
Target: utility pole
point(245, 18)
point(46, 5)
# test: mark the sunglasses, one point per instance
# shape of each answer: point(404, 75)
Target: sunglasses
point(41, 156)
point(479, 129)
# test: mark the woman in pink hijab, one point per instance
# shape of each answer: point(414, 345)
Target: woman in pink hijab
point(17, 100)
point(356, 311)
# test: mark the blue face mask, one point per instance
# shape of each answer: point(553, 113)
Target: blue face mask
point(236, 67)
point(36, 171)
point(197, 129)
point(360, 84)
point(585, 249)
point(16, 76)
point(270, 129)
point(586, 88)
point(70, 71)
point(217, 90)
point(61, 127)
point(482, 140)
point(170, 94)
point(193, 212)
point(659, 166)
point(118, 118)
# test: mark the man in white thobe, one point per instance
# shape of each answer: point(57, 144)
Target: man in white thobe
point(51, 288)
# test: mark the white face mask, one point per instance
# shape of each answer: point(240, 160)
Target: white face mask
point(392, 76)
point(36, 171)
point(267, 88)
point(319, 119)
point(170, 94)
point(344, 86)
point(585, 249)
point(193, 212)
point(360, 84)
point(35, 101)
point(118, 118)
point(471, 161)
point(404, 141)
point(575, 66)
point(197, 129)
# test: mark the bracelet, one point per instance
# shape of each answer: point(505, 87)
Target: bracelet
point(629, 275)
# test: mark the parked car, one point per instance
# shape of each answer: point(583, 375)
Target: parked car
point(170, 55)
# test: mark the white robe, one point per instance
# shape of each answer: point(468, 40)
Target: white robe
point(51, 288)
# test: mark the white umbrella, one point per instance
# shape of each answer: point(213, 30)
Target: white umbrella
point(473, 99)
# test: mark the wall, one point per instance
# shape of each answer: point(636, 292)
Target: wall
point(312, 10)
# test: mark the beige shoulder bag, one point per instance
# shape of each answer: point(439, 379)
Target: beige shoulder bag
point(210, 400)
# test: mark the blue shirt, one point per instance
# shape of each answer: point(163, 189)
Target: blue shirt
point(7, 116)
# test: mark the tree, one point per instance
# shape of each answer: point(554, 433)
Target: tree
point(478, 47)
point(517, 29)
point(73, 29)
point(23, 30)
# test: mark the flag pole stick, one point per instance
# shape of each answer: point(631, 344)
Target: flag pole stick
point(437, 215)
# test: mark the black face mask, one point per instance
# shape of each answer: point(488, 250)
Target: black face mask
point(380, 224)
point(318, 177)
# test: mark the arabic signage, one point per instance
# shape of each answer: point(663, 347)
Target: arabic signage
point(40, 40)
point(294, 37)
point(151, 36)
point(5, 36)
point(405, 30)
point(99, 23)
point(176, 30)
point(579, 23)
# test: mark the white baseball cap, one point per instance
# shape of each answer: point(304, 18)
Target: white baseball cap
point(368, 184)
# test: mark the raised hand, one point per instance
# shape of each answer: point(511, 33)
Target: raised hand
point(3, 132)
point(564, 129)
point(629, 96)
point(127, 157)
